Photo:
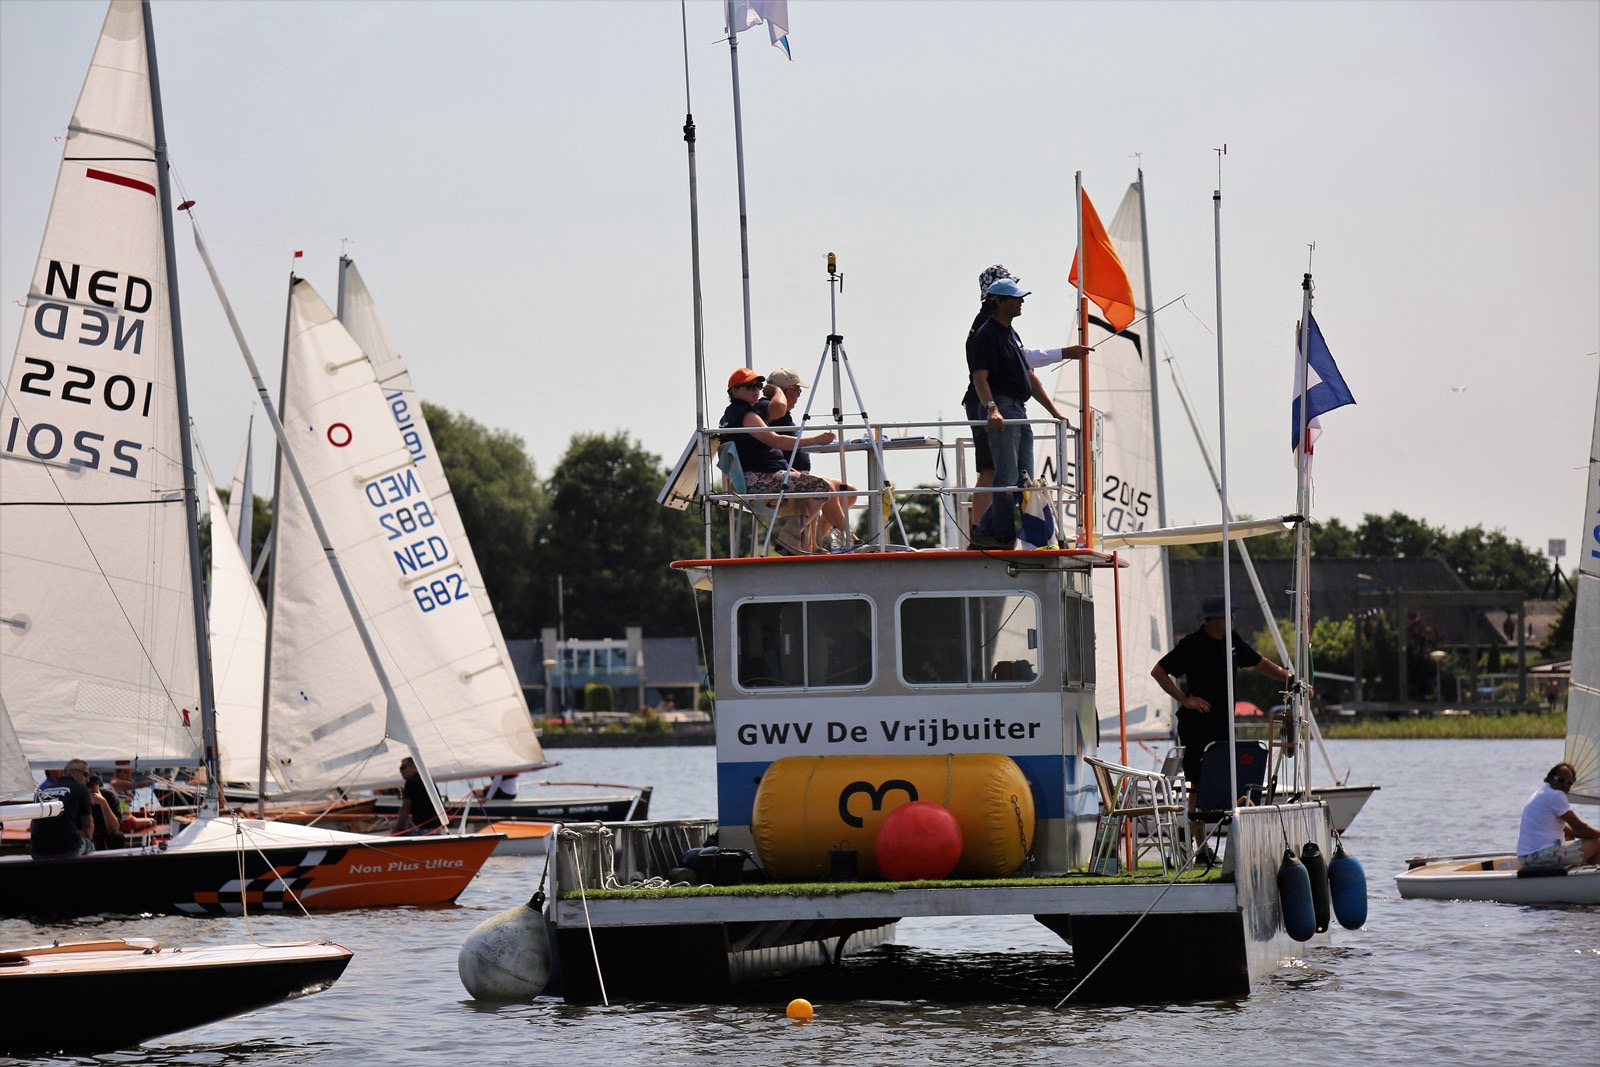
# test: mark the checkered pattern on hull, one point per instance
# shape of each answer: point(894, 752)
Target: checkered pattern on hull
point(267, 891)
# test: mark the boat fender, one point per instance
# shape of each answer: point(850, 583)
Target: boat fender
point(1321, 896)
point(508, 957)
point(1347, 883)
point(1294, 895)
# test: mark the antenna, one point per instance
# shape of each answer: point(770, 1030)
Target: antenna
point(1311, 250)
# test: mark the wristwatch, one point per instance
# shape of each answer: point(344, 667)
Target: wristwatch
point(990, 406)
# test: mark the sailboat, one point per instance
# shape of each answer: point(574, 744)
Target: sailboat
point(104, 652)
point(1496, 876)
point(219, 981)
point(1130, 503)
point(358, 313)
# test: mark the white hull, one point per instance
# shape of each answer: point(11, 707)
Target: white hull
point(1344, 802)
point(1495, 877)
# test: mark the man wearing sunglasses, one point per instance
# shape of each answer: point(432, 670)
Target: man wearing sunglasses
point(1552, 834)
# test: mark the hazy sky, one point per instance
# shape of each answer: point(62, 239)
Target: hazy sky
point(513, 183)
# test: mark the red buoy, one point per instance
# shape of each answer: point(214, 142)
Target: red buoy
point(918, 840)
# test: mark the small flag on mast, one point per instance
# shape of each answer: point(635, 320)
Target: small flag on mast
point(298, 253)
point(1320, 384)
point(775, 13)
point(1105, 280)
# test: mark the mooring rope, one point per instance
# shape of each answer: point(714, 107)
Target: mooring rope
point(594, 951)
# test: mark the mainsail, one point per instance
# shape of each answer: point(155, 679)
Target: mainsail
point(326, 710)
point(1583, 694)
point(1120, 385)
point(238, 622)
point(98, 650)
point(359, 314)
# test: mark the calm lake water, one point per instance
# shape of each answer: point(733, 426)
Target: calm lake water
point(1424, 982)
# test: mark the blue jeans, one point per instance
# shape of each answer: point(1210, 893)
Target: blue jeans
point(1011, 447)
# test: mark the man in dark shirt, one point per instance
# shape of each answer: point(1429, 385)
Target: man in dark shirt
point(1201, 660)
point(417, 810)
point(72, 832)
point(1003, 382)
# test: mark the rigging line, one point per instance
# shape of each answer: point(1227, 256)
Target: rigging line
point(1128, 933)
point(84, 503)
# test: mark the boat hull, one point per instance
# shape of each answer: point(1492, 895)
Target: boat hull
point(218, 982)
point(1344, 802)
point(333, 874)
point(599, 807)
point(1494, 877)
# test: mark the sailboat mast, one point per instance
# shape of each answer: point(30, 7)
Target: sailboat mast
point(1222, 492)
point(1085, 537)
point(191, 506)
point(738, 155)
point(1150, 362)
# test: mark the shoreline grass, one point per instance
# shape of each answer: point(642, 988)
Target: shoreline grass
point(1513, 727)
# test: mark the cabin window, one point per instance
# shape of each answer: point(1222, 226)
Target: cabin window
point(804, 644)
point(969, 639)
point(1078, 643)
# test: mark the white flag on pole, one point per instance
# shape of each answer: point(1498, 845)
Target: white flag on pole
point(744, 14)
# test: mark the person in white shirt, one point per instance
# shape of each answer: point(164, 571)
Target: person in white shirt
point(1552, 835)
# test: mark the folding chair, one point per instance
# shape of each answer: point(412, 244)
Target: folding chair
point(790, 516)
point(1143, 802)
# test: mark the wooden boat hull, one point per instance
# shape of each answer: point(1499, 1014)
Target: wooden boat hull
point(1494, 877)
point(217, 982)
point(199, 873)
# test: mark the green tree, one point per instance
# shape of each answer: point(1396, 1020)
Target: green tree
point(1558, 642)
point(604, 533)
point(920, 513)
point(497, 492)
point(1396, 536)
point(1494, 561)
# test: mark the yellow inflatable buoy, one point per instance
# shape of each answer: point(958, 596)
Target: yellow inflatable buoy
point(800, 1010)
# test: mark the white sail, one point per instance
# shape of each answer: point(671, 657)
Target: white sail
point(17, 780)
point(459, 696)
point(1119, 387)
point(359, 314)
point(241, 499)
point(238, 622)
point(98, 655)
point(1583, 694)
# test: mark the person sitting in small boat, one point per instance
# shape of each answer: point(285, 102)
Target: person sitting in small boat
point(71, 833)
point(107, 818)
point(776, 408)
point(417, 813)
point(1552, 835)
point(121, 793)
point(764, 454)
point(500, 787)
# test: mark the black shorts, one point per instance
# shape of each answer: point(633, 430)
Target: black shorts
point(982, 458)
point(1195, 733)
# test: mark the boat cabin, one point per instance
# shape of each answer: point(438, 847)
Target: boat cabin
point(869, 655)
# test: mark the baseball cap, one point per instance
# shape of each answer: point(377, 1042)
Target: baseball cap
point(785, 377)
point(743, 376)
point(1005, 287)
point(1212, 608)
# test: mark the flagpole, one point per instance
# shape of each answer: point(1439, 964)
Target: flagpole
point(1298, 704)
point(1222, 453)
point(702, 444)
point(1085, 532)
point(738, 155)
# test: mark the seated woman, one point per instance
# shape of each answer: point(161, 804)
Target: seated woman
point(780, 395)
point(764, 456)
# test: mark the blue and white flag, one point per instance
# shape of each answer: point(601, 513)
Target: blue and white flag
point(1320, 383)
point(744, 14)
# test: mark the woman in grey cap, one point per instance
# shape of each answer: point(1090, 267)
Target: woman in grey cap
point(781, 395)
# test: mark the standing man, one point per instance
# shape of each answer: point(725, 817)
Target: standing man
point(417, 814)
point(1003, 381)
point(1552, 835)
point(72, 832)
point(982, 461)
point(1202, 661)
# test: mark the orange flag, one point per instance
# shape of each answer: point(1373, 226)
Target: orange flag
point(1106, 281)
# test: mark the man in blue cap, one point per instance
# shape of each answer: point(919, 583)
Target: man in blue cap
point(1003, 381)
point(1202, 661)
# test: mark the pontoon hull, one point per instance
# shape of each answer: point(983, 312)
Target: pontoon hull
point(1495, 877)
